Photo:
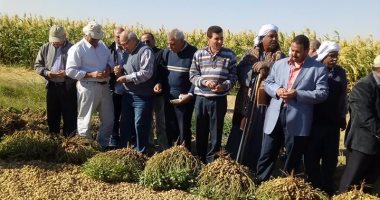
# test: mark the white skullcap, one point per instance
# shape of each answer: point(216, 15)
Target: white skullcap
point(94, 30)
point(325, 48)
point(264, 30)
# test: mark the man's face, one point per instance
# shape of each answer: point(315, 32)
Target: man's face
point(116, 36)
point(148, 40)
point(175, 45)
point(216, 42)
point(58, 44)
point(298, 53)
point(270, 41)
point(92, 41)
point(331, 59)
point(127, 45)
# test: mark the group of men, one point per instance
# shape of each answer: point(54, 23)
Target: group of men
point(299, 101)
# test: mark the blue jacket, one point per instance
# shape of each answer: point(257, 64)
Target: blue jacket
point(311, 87)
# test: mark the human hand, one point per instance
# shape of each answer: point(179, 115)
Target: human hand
point(107, 71)
point(118, 70)
point(122, 79)
point(98, 74)
point(219, 88)
point(280, 91)
point(209, 84)
point(60, 73)
point(185, 98)
point(288, 95)
point(157, 88)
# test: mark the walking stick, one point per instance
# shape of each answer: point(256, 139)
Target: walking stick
point(246, 123)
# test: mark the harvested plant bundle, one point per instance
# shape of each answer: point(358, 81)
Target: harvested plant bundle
point(355, 194)
point(28, 145)
point(225, 179)
point(10, 121)
point(114, 166)
point(74, 150)
point(288, 188)
point(174, 168)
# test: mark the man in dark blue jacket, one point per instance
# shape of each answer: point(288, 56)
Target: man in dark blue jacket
point(179, 105)
point(363, 134)
point(119, 57)
point(321, 158)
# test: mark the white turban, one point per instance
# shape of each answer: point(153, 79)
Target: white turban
point(264, 30)
point(325, 48)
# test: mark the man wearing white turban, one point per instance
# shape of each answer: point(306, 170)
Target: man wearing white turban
point(329, 116)
point(264, 53)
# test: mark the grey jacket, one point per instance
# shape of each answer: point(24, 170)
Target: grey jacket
point(45, 58)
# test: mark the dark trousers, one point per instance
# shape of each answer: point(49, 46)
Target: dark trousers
point(61, 103)
point(251, 149)
point(209, 114)
point(271, 145)
point(178, 123)
point(136, 119)
point(321, 157)
point(233, 141)
point(360, 167)
point(117, 101)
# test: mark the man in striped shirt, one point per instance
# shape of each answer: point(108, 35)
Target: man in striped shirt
point(213, 72)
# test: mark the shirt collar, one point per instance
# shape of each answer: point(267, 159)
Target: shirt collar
point(184, 47)
point(86, 43)
point(292, 63)
point(208, 49)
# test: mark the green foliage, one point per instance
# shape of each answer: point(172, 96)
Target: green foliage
point(174, 168)
point(225, 179)
point(115, 166)
point(21, 38)
point(28, 145)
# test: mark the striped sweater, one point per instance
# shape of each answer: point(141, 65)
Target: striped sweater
point(176, 74)
point(220, 68)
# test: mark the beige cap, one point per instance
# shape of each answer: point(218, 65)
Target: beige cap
point(57, 34)
point(377, 62)
point(94, 30)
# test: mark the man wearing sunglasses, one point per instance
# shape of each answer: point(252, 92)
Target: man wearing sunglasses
point(158, 102)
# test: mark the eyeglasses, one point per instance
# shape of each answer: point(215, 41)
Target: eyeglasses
point(124, 43)
point(147, 41)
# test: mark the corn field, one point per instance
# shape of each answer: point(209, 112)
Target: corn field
point(21, 37)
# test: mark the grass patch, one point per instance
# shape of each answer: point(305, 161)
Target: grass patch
point(21, 88)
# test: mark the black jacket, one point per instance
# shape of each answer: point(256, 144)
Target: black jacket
point(364, 127)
